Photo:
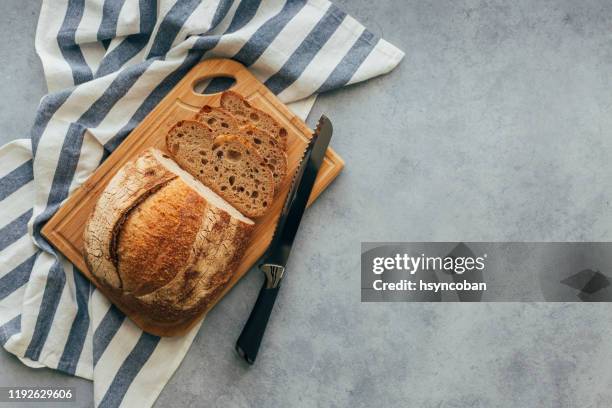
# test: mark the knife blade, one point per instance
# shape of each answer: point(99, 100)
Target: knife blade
point(275, 259)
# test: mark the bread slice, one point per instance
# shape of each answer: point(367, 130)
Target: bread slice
point(249, 115)
point(228, 165)
point(162, 244)
point(268, 146)
point(237, 167)
point(218, 120)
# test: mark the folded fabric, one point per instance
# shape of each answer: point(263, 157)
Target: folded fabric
point(107, 64)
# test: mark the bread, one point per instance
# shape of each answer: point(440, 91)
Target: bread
point(228, 165)
point(249, 115)
point(218, 120)
point(161, 243)
point(169, 230)
point(269, 147)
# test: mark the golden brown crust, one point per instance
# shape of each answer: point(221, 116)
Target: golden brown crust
point(158, 235)
point(196, 288)
point(176, 251)
point(132, 183)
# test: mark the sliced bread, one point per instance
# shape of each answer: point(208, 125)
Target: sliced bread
point(229, 166)
point(240, 169)
point(219, 120)
point(249, 115)
point(268, 146)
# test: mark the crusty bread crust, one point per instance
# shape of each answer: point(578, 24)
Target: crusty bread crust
point(174, 251)
point(132, 184)
point(159, 234)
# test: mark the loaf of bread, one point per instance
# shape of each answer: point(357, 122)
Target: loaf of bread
point(227, 164)
point(246, 114)
point(161, 243)
point(270, 148)
point(169, 230)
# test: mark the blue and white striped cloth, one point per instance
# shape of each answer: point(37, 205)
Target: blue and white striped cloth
point(107, 64)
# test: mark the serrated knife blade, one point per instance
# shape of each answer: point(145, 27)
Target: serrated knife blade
point(275, 259)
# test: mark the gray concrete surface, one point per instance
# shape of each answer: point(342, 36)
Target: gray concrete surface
point(496, 126)
point(22, 81)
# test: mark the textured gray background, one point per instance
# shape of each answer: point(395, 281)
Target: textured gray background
point(496, 126)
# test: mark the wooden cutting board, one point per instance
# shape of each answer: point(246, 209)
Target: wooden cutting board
point(65, 229)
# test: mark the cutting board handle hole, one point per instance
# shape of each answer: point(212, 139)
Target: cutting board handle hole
point(213, 85)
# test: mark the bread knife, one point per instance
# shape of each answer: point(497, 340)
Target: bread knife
point(276, 256)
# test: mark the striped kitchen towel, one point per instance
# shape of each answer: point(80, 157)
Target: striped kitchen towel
point(107, 64)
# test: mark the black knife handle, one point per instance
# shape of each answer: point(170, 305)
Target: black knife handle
point(249, 341)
